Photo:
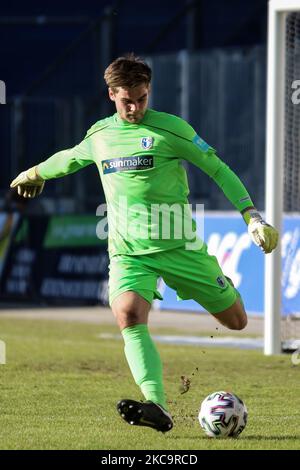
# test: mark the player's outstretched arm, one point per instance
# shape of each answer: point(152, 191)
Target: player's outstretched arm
point(262, 234)
point(29, 183)
point(192, 148)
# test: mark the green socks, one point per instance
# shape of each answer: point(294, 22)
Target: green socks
point(144, 362)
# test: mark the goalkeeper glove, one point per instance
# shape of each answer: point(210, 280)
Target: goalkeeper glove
point(29, 183)
point(261, 233)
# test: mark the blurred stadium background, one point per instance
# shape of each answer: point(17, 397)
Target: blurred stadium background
point(209, 63)
point(64, 366)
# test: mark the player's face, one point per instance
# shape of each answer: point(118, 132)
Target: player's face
point(131, 103)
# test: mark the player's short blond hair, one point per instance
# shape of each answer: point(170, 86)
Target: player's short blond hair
point(127, 72)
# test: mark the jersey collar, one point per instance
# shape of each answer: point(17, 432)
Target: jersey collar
point(122, 122)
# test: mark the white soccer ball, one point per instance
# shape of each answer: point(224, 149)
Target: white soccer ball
point(223, 414)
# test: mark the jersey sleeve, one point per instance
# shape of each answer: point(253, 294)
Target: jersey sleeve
point(190, 147)
point(67, 161)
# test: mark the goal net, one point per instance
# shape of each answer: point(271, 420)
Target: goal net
point(290, 324)
point(282, 274)
point(291, 198)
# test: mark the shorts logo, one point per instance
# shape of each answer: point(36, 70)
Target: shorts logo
point(221, 282)
point(127, 163)
point(147, 143)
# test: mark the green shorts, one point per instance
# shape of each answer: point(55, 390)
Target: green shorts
point(193, 274)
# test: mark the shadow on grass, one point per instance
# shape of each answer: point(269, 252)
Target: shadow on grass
point(237, 439)
point(269, 438)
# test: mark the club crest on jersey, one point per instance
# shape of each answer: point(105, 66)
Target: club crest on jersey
point(147, 143)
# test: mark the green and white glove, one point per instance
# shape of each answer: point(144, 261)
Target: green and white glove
point(262, 234)
point(29, 183)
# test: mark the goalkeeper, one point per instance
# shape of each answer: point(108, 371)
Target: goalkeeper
point(139, 154)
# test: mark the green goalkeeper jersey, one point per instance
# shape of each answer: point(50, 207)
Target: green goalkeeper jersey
point(144, 179)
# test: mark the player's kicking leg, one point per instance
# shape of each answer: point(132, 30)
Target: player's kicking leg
point(233, 317)
point(131, 311)
point(197, 275)
point(146, 413)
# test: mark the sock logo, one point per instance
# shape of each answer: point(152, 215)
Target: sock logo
point(127, 163)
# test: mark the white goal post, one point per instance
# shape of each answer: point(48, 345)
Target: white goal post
point(278, 10)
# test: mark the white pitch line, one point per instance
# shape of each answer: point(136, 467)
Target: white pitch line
point(225, 341)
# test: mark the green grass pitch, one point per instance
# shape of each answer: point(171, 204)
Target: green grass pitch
point(61, 382)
